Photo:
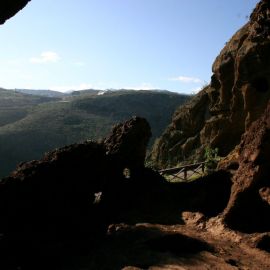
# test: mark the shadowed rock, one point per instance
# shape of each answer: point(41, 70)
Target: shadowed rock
point(249, 206)
point(60, 207)
point(50, 207)
point(8, 8)
point(177, 244)
point(47, 207)
point(128, 141)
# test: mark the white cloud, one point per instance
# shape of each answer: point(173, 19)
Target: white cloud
point(46, 57)
point(186, 79)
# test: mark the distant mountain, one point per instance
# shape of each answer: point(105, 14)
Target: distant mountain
point(32, 125)
point(86, 92)
point(15, 105)
point(44, 93)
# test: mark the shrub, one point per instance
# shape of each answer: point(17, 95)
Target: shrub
point(211, 158)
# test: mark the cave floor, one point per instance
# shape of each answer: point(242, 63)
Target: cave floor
point(195, 245)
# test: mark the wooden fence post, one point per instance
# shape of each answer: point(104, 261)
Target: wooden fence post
point(185, 174)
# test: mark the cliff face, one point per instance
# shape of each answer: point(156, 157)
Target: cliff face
point(9, 8)
point(249, 206)
point(237, 95)
point(182, 136)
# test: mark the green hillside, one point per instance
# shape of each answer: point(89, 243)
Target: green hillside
point(15, 105)
point(42, 124)
point(43, 93)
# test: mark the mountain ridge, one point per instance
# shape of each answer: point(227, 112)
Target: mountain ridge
point(37, 124)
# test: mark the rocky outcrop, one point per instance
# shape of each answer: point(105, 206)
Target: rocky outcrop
point(59, 208)
point(8, 8)
point(129, 140)
point(181, 138)
point(76, 202)
point(249, 205)
point(50, 207)
point(46, 206)
point(237, 95)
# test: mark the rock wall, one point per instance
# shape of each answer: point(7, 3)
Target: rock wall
point(183, 135)
point(237, 95)
point(249, 206)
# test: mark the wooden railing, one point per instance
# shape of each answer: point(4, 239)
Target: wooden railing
point(185, 172)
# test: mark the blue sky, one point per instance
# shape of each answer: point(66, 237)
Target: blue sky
point(101, 44)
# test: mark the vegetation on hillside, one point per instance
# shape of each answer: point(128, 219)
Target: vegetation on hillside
point(37, 124)
point(15, 105)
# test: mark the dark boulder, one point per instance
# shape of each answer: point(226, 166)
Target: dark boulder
point(47, 207)
point(128, 141)
point(63, 203)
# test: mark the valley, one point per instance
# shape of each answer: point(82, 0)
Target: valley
point(31, 125)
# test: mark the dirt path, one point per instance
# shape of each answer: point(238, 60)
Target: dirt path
point(192, 246)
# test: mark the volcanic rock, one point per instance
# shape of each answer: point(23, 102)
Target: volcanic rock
point(237, 95)
point(249, 205)
point(128, 141)
point(262, 241)
point(182, 136)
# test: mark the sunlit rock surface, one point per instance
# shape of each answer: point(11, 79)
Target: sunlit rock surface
point(237, 95)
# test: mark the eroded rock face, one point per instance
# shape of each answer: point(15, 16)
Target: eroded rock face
point(237, 95)
point(249, 205)
point(181, 138)
point(8, 8)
